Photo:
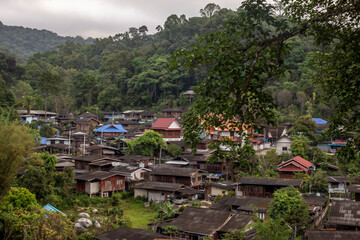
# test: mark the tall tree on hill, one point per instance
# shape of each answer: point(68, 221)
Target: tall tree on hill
point(209, 10)
point(49, 83)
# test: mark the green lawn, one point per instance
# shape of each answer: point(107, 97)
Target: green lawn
point(139, 216)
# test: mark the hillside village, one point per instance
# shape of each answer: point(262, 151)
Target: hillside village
point(98, 149)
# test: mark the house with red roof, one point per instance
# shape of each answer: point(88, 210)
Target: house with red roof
point(288, 168)
point(169, 128)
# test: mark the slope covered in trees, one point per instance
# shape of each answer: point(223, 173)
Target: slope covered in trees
point(131, 70)
point(24, 42)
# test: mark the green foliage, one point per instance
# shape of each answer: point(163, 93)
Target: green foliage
point(165, 211)
point(174, 150)
point(288, 204)
point(319, 182)
point(304, 126)
point(149, 144)
point(272, 229)
point(36, 224)
point(38, 181)
point(15, 144)
point(236, 235)
point(18, 198)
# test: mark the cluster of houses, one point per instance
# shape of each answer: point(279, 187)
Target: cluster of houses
point(102, 168)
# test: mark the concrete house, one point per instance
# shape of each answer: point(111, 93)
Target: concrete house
point(100, 183)
point(283, 145)
point(338, 187)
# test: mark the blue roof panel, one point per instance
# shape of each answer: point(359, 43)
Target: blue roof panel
point(111, 128)
point(51, 208)
point(319, 121)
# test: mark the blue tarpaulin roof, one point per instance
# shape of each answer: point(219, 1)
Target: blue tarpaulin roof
point(43, 140)
point(51, 208)
point(111, 128)
point(319, 121)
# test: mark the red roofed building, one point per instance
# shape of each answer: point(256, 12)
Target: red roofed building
point(168, 127)
point(296, 164)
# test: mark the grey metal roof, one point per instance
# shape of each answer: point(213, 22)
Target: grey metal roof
point(338, 179)
point(174, 171)
point(313, 200)
point(203, 221)
point(160, 186)
point(345, 213)
point(270, 181)
point(244, 203)
point(130, 234)
point(332, 235)
point(98, 175)
point(236, 222)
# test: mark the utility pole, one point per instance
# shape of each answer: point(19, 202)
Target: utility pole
point(69, 140)
point(84, 144)
point(160, 154)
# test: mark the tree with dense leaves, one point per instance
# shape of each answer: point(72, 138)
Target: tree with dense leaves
point(149, 144)
point(288, 204)
point(18, 198)
point(16, 142)
point(305, 126)
point(49, 83)
point(209, 10)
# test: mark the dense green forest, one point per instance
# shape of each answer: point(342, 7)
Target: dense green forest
point(131, 70)
point(24, 42)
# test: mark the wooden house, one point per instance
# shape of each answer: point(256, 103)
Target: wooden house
point(214, 189)
point(187, 176)
point(169, 128)
point(244, 205)
point(132, 174)
point(91, 163)
point(39, 114)
point(169, 112)
point(297, 164)
point(264, 187)
point(162, 192)
point(355, 189)
point(338, 187)
point(103, 150)
point(100, 183)
point(137, 160)
point(133, 114)
point(148, 116)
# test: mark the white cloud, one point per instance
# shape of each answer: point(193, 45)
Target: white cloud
point(98, 18)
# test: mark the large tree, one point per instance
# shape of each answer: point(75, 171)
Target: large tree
point(16, 142)
point(250, 51)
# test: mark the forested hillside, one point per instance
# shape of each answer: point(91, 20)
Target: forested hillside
point(131, 70)
point(24, 42)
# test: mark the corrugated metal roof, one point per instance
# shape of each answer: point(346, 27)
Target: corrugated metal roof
point(51, 208)
point(319, 121)
point(117, 128)
point(270, 181)
point(345, 213)
point(330, 235)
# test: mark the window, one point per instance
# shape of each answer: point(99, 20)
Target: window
point(119, 181)
point(199, 178)
point(108, 183)
point(284, 149)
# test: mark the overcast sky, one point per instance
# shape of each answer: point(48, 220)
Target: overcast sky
point(98, 18)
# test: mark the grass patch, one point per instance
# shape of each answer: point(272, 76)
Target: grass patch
point(139, 216)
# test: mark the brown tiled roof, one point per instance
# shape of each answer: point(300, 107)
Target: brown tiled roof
point(236, 222)
point(160, 186)
point(99, 175)
point(174, 171)
point(130, 234)
point(330, 235)
point(270, 181)
point(345, 213)
point(203, 221)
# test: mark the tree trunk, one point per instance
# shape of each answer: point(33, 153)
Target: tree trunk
point(45, 104)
